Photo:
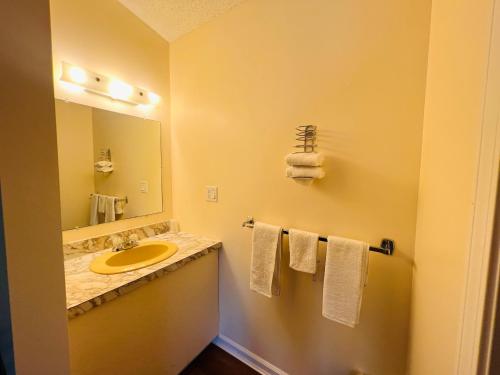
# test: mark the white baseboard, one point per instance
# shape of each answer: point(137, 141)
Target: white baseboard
point(256, 362)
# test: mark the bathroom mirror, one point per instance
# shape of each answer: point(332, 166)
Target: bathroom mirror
point(109, 165)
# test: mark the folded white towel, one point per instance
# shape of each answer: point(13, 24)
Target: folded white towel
point(94, 205)
point(109, 210)
point(303, 250)
point(346, 268)
point(104, 166)
point(105, 169)
point(103, 163)
point(310, 159)
point(266, 257)
point(305, 172)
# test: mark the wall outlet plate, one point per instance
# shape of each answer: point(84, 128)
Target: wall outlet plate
point(212, 194)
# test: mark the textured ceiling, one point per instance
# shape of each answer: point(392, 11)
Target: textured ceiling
point(174, 18)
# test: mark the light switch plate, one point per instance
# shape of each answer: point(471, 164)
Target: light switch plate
point(212, 194)
point(143, 186)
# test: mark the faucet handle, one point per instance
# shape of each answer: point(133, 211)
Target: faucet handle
point(117, 242)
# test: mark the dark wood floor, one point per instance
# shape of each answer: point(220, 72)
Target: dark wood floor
point(215, 361)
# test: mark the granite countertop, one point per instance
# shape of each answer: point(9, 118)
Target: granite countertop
point(86, 290)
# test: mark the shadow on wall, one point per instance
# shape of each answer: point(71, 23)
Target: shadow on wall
point(6, 351)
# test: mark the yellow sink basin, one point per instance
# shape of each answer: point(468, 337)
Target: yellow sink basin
point(143, 255)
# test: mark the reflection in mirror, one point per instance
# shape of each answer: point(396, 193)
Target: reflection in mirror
point(109, 165)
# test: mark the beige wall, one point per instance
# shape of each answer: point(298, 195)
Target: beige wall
point(136, 154)
point(30, 190)
point(75, 151)
point(240, 85)
point(105, 37)
point(458, 56)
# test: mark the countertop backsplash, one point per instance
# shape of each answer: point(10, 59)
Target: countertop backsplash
point(91, 245)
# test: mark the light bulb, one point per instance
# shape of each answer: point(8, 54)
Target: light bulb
point(77, 75)
point(120, 90)
point(153, 98)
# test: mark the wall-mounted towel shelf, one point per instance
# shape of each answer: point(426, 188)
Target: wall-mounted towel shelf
point(386, 246)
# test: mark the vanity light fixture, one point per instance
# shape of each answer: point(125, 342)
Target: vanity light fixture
point(102, 85)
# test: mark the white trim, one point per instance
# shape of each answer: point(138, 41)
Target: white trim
point(251, 359)
point(483, 219)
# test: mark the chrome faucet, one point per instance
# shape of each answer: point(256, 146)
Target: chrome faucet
point(128, 243)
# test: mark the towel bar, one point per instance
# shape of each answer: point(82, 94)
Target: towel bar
point(125, 198)
point(386, 246)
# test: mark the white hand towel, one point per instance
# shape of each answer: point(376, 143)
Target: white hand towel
point(266, 257)
point(305, 172)
point(346, 268)
point(94, 204)
point(303, 250)
point(101, 206)
point(109, 211)
point(120, 206)
point(310, 159)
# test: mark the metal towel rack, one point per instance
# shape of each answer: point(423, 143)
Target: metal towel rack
point(124, 199)
point(386, 246)
point(306, 134)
